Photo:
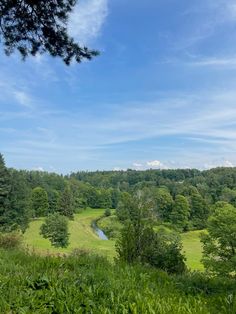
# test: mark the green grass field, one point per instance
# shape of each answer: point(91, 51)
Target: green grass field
point(82, 236)
point(193, 249)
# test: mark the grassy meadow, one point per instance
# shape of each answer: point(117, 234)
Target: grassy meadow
point(82, 236)
point(193, 249)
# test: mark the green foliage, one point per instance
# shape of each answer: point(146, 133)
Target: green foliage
point(156, 248)
point(229, 196)
point(199, 211)
point(138, 241)
point(18, 212)
point(219, 244)
point(180, 213)
point(85, 283)
point(107, 212)
point(124, 207)
point(53, 198)
point(4, 191)
point(163, 250)
point(55, 228)
point(39, 200)
point(134, 205)
point(11, 240)
point(193, 283)
point(164, 203)
point(65, 203)
point(40, 26)
point(105, 200)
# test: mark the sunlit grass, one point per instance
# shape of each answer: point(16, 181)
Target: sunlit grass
point(82, 236)
point(193, 249)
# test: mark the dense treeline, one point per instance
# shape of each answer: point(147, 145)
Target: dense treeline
point(210, 183)
point(183, 197)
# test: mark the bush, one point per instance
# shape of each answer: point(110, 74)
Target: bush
point(159, 249)
point(10, 240)
point(107, 212)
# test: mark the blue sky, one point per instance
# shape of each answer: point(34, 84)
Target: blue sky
point(161, 95)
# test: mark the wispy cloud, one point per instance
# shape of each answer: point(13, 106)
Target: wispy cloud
point(23, 98)
point(87, 19)
point(208, 17)
point(224, 62)
point(206, 121)
point(219, 163)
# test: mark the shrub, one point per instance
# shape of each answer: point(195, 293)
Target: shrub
point(10, 240)
point(107, 212)
point(159, 249)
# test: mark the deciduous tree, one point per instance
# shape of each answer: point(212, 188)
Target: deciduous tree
point(219, 244)
point(65, 203)
point(39, 201)
point(55, 229)
point(180, 213)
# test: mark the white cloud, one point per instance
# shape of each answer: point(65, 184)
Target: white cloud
point(119, 169)
point(87, 19)
point(23, 98)
point(219, 163)
point(38, 169)
point(156, 164)
point(207, 17)
point(228, 164)
point(224, 62)
point(228, 62)
point(138, 165)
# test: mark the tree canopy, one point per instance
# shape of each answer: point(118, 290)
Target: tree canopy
point(219, 244)
point(39, 201)
point(4, 191)
point(39, 26)
point(55, 228)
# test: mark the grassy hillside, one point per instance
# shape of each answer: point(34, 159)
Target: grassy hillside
point(82, 236)
point(90, 284)
point(193, 249)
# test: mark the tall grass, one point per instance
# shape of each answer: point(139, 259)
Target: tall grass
point(84, 283)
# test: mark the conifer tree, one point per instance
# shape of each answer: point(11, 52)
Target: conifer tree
point(18, 212)
point(39, 26)
point(4, 191)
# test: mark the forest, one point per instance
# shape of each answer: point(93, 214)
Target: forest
point(145, 214)
point(31, 194)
